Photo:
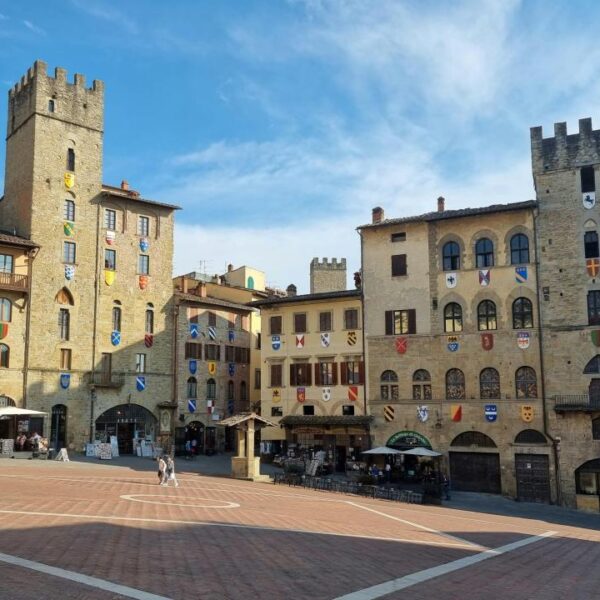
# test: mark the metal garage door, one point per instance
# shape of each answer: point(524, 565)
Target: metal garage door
point(475, 472)
point(533, 477)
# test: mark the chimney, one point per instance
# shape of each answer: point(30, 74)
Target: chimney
point(377, 214)
point(229, 268)
point(125, 185)
point(291, 290)
point(441, 203)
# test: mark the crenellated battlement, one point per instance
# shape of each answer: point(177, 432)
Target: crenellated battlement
point(39, 93)
point(564, 151)
point(325, 264)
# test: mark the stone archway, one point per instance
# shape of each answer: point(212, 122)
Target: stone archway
point(126, 422)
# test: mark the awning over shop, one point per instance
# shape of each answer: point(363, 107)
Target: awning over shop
point(15, 411)
point(325, 421)
point(383, 450)
point(420, 452)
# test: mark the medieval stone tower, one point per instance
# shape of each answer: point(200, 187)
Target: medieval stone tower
point(327, 276)
point(565, 171)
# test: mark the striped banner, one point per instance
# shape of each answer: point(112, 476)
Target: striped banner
point(388, 412)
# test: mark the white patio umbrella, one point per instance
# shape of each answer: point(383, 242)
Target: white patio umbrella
point(14, 411)
point(421, 452)
point(382, 450)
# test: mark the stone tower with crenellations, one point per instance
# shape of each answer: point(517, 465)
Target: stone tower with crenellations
point(327, 276)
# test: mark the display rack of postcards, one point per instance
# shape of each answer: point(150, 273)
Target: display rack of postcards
point(7, 447)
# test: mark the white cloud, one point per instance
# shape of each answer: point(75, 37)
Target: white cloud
point(34, 28)
point(104, 12)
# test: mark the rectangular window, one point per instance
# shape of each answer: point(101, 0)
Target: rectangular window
point(276, 411)
point(398, 265)
point(212, 319)
point(229, 354)
point(63, 324)
point(6, 263)
point(69, 210)
point(348, 410)
point(400, 321)
point(110, 259)
point(325, 321)
point(70, 159)
point(69, 253)
point(593, 303)
point(110, 219)
point(326, 373)
point(143, 226)
point(258, 341)
point(275, 323)
point(140, 363)
point(51, 106)
point(144, 264)
point(149, 324)
point(242, 355)
point(300, 374)
point(308, 410)
point(351, 318)
point(257, 377)
point(398, 237)
point(353, 373)
point(276, 375)
point(590, 244)
point(65, 359)
point(588, 179)
point(193, 350)
point(300, 323)
point(212, 352)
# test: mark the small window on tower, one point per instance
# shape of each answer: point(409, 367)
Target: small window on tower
point(588, 181)
point(70, 159)
point(51, 106)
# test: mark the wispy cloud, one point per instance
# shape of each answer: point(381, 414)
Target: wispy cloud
point(32, 27)
point(106, 12)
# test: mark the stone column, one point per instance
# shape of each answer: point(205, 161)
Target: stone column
point(241, 436)
point(250, 449)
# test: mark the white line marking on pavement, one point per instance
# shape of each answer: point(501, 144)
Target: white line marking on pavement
point(231, 526)
point(395, 585)
point(423, 527)
point(94, 582)
point(136, 498)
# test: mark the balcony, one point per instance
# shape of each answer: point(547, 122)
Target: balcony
point(14, 282)
point(101, 379)
point(577, 403)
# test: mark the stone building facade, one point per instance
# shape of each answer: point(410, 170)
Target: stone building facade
point(313, 373)
point(452, 344)
point(99, 345)
point(566, 168)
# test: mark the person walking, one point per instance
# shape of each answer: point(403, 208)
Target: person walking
point(170, 472)
point(162, 468)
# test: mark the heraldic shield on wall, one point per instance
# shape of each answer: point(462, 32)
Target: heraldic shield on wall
point(527, 413)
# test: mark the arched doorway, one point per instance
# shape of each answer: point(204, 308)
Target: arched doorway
point(472, 470)
point(58, 427)
point(126, 422)
point(194, 432)
point(587, 478)
point(532, 471)
point(7, 426)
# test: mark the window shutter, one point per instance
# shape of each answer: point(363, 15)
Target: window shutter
point(334, 374)
point(398, 265)
point(412, 321)
point(389, 322)
point(308, 375)
point(317, 374)
point(361, 372)
point(344, 373)
point(293, 375)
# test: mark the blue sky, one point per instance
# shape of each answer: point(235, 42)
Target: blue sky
point(277, 125)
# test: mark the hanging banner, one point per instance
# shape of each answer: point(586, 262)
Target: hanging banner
point(231, 335)
point(212, 367)
point(115, 338)
point(143, 282)
point(69, 180)
point(140, 383)
point(144, 244)
point(69, 272)
point(148, 340)
point(193, 366)
point(65, 380)
point(69, 228)
point(109, 277)
point(231, 369)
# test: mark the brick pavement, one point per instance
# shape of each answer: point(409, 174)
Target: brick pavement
point(278, 543)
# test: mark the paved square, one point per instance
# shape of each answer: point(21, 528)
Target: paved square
point(94, 531)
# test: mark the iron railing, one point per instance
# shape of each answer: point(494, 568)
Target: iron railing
point(577, 402)
point(107, 380)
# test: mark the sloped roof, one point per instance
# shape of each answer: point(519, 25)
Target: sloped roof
point(307, 298)
point(322, 420)
point(16, 240)
point(212, 301)
point(111, 190)
point(243, 417)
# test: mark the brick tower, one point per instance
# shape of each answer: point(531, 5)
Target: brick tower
point(326, 276)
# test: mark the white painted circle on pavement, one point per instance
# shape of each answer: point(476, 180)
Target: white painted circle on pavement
point(165, 501)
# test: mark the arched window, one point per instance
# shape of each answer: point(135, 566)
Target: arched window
point(530, 436)
point(519, 249)
point(4, 355)
point(5, 310)
point(64, 296)
point(451, 256)
point(230, 390)
point(421, 385)
point(149, 326)
point(526, 383)
point(250, 282)
point(593, 366)
point(455, 385)
point(116, 318)
point(389, 386)
point(484, 253)
point(489, 384)
point(522, 313)
point(192, 387)
point(243, 391)
point(486, 316)
point(590, 243)
point(211, 389)
point(70, 159)
point(473, 438)
point(587, 478)
point(453, 317)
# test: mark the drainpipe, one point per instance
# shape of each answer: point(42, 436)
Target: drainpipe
point(364, 343)
point(30, 255)
point(174, 363)
point(95, 322)
point(542, 369)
